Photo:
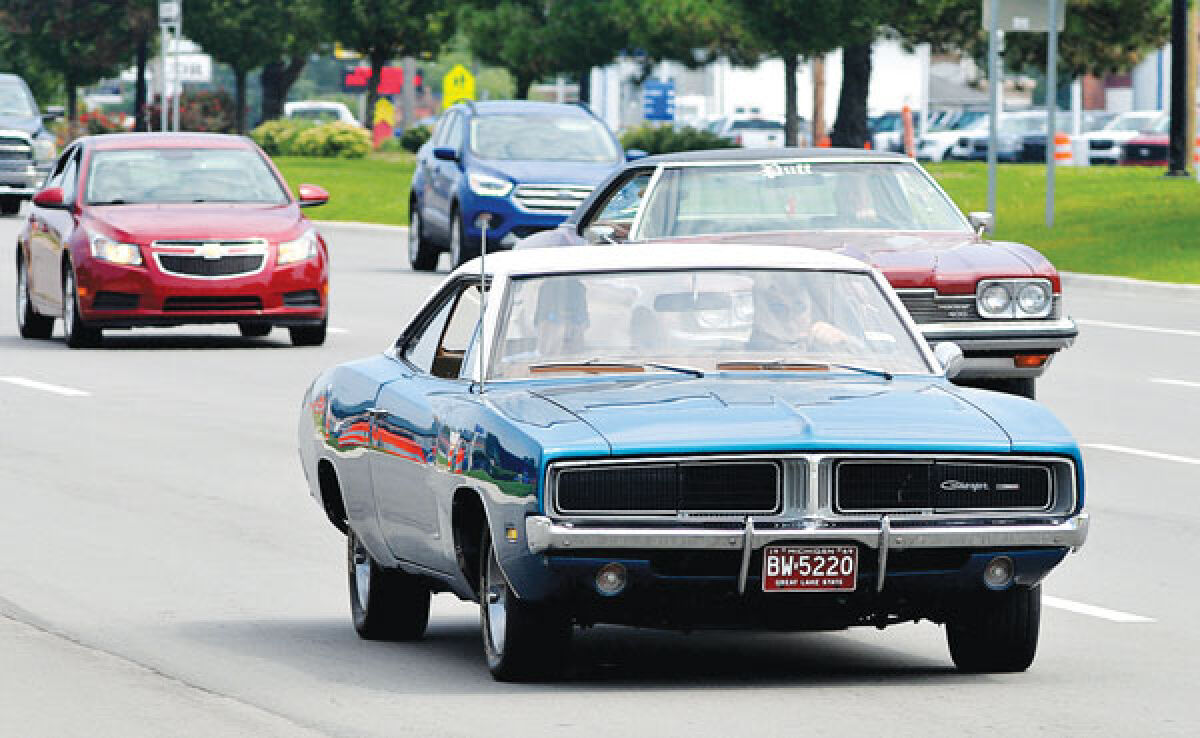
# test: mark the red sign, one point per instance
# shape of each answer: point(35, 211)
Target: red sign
point(391, 81)
point(810, 568)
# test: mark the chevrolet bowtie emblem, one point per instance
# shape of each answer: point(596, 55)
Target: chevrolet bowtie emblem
point(210, 251)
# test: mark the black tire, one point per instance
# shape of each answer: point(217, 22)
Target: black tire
point(422, 255)
point(254, 330)
point(30, 323)
point(77, 332)
point(532, 641)
point(394, 605)
point(460, 251)
point(10, 205)
point(308, 335)
point(996, 632)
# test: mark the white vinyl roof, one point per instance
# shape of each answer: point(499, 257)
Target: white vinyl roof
point(574, 259)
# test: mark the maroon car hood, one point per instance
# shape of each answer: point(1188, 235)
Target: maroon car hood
point(145, 223)
point(951, 263)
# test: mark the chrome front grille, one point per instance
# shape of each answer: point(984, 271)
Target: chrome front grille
point(669, 488)
point(211, 259)
point(927, 306)
point(550, 198)
point(15, 148)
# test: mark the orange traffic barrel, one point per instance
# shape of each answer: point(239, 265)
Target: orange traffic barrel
point(1062, 149)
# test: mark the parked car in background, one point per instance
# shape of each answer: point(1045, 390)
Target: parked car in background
point(163, 229)
point(1149, 148)
point(1033, 145)
point(1013, 127)
point(319, 111)
point(516, 167)
point(685, 437)
point(27, 149)
point(887, 130)
point(1104, 144)
point(754, 130)
point(938, 143)
point(1000, 301)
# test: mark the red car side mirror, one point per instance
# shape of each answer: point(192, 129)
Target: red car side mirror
point(51, 197)
point(311, 195)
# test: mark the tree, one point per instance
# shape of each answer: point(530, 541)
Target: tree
point(84, 41)
point(382, 30)
point(142, 19)
point(302, 37)
point(245, 34)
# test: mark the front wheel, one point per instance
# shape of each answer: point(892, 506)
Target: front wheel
point(460, 250)
point(522, 641)
point(386, 605)
point(309, 335)
point(78, 333)
point(30, 323)
point(996, 632)
point(422, 255)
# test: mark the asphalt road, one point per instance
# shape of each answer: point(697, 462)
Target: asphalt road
point(164, 572)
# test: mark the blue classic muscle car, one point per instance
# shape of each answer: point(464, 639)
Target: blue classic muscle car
point(686, 437)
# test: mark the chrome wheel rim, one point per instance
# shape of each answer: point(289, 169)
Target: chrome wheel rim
point(69, 303)
point(414, 237)
point(455, 243)
point(362, 575)
point(22, 295)
point(496, 603)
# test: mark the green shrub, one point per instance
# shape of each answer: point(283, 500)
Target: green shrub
point(278, 137)
point(666, 140)
point(415, 137)
point(390, 145)
point(341, 140)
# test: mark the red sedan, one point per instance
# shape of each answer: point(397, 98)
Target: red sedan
point(153, 229)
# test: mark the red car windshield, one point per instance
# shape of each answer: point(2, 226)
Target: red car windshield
point(178, 175)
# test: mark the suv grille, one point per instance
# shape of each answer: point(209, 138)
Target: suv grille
point(886, 485)
point(15, 148)
point(557, 199)
point(670, 488)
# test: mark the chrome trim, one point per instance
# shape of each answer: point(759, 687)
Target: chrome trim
point(543, 534)
point(1063, 326)
point(256, 246)
point(885, 530)
point(1013, 312)
point(747, 552)
point(546, 199)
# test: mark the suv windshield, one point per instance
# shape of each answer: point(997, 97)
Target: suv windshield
point(176, 175)
point(700, 321)
point(14, 100)
point(542, 138)
point(795, 196)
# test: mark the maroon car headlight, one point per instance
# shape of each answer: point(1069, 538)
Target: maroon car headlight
point(115, 252)
point(1014, 298)
point(298, 249)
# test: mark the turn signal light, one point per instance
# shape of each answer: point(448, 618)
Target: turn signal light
point(1031, 361)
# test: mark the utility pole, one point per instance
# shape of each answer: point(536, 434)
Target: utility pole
point(1051, 108)
point(1180, 149)
point(995, 83)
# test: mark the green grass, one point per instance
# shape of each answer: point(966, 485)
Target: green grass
point(1125, 221)
point(371, 190)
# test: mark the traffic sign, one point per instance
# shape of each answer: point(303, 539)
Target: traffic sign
point(169, 12)
point(458, 84)
point(658, 100)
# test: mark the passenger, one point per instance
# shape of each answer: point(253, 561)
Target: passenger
point(784, 321)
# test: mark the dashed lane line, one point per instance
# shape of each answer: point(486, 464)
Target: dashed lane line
point(1140, 452)
point(1177, 382)
point(1103, 613)
point(1143, 328)
point(338, 330)
point(44, 387)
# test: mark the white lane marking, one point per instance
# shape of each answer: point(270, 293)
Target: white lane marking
point(56, 389)
point(1140, 452)
point(1115, 616)
point(1177, 382)
point(1144, 328)
point(338, 330)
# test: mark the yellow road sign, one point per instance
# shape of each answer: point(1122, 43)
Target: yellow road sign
point(385, 112)
point(458, 84)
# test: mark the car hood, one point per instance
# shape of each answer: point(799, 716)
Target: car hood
point(551, 172)
point(776, 413)
point(26, 123)
point(145, 223)
point(950, 262)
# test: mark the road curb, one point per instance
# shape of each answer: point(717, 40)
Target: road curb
point(1130, 286)
point(354, 225)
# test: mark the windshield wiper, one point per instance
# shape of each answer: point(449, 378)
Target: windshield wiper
point(602, 364)
point(866, 370)
point(798, 366)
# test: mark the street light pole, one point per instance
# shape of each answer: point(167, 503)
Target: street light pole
point(1051, 108)
point(995, 83)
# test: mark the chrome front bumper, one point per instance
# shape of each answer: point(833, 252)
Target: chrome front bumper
point(990, 347)
point(543, 534)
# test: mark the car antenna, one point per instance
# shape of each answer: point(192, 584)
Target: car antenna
point(482, 219)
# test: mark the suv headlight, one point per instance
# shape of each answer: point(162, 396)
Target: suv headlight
point(488, 186)
point(299, 249)
point(44, 149)
point(115, 252)
point(1014, 298)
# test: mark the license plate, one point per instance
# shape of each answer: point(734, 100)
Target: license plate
point(809, 568)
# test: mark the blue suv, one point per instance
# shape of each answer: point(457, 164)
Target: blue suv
point(517, 167)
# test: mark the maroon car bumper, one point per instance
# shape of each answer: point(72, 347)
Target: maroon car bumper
point(117, 296)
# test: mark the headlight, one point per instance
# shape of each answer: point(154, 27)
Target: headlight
point(106, 249)
point(1014, 298)
point(300, 249)
point(44, 149)
point(489, 186)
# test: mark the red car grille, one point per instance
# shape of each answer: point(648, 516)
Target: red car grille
point(204, 303)
point(199, 266)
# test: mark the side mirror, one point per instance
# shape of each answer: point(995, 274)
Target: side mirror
point(982, 221)
point(311, 195)
point(599, 234)
point(445, 153)
point(950, 355)
point(51, 197)
point(635, 154)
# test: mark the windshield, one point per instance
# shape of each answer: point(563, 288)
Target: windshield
point(317, 114)
point(706, 320)
point(542, 138)
point(1024, 124)
point(14, 100)
point(178, 175)
point(795, 196)
point(1132, 122)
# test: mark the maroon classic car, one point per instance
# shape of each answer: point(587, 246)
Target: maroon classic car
point(1150, 148)
point(160, 229)
point(1000, 302)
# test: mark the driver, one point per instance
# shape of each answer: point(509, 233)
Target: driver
point(561, 318)
point(783, 318)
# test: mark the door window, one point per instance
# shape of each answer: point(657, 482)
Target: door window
point(70, 176)
point(619, 210)
point(440, 347)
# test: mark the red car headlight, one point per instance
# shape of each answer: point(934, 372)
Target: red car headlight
point(115, 252)
point(298, 249)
